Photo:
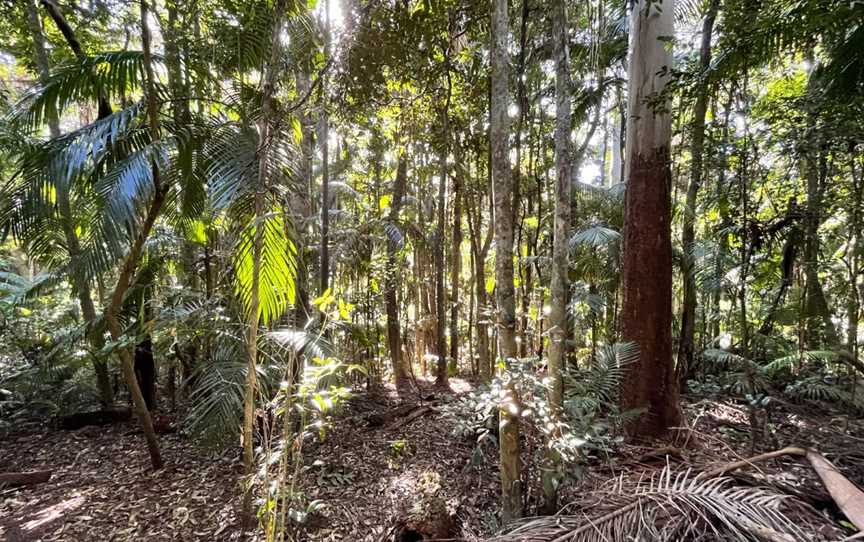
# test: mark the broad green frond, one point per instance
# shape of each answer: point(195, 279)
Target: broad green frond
point(595, 236)
point(278, 267)
point(104, 74)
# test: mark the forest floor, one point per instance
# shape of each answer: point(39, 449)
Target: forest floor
point(369, 475)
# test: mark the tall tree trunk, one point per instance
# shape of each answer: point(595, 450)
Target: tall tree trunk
point(479, 252)
point(819, 329)
point(456, 259)
point(440, 234)
point(112, 311)
point(73, 245)
point(688, 236)
point(305, 208)
point(560, 287)
point(646, 311)
point(391, 287)
point(853, 303)
point(268, 90)
point(511, 466)
point(325, 163)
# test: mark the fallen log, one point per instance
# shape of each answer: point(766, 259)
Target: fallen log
point(98, 417)
point(16, 479)
point(385, 418)
point(416, 413)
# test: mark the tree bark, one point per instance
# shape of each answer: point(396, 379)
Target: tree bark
point(819, 329)
point(688, 235)
point(480, 251)
point(646, 312)
point(456, 260)
point(394, 335)
point(511, 467)
point(440, 234)
point(325, 163)
point(560, 287)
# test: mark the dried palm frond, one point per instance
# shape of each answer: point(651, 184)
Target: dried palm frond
point(670, 506)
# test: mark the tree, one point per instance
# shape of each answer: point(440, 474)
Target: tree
point(688, 235)
point(505, 294)
point(646, 310)
point(391, 287)
point(560, 288)
point(265, 142)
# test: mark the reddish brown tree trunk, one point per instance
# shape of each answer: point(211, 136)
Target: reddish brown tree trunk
point(646, 310)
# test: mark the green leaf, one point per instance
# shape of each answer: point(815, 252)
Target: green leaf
point(278, 268)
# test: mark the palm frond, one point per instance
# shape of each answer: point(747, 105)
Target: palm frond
point(668, 507)
point(595, 236)
point(787, 362)
point(102, 74)
point(278, 266)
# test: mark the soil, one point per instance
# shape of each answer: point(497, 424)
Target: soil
point(377, 482)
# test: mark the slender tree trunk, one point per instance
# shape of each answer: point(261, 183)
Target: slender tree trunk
point(617, 127)
point(479, 251)
point(112, 311)
point(456, 260)
point(853, 304)
point(819, 330)
point(688, 235)
point(305, 207)
point(440, 291)
point(646, 312)
point(325, 163)
point(560, 288)
point(268, 83)
point(502, 186)
point(394, 335)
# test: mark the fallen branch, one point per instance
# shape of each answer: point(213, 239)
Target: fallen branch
point(16, 479)
point(412, 416)
point(98, 417)
point(387, 418)
point(735, 465)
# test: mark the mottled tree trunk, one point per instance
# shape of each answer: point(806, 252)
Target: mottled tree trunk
point(392, 282)
point(325, 164)
point(456, 260)
point(511, 466)
point(560, 287)
point(646, 312)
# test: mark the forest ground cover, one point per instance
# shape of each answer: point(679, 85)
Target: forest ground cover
point(380, 464)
